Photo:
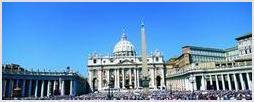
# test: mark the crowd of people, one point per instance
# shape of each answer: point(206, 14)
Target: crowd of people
point(171, 95)
point(155, 95)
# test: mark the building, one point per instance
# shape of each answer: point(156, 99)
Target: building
point(19, 82)
point(123, 68)
point(244, 45)
point(201, 68)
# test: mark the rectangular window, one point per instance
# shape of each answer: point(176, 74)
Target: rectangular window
point(94, 61)
point(157, 59)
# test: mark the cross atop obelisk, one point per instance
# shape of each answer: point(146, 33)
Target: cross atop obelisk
point(145, 77)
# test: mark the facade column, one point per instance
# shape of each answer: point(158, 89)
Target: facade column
point(90, 78)
point(152, 77)
point(223, 82)
point(107, 77)
point(248, 81)
point(62, 88)
point(229, 82)
point(242, 82)
point(36, 89)
point(235, 81)
point(48, 88)
point(118, 79)
point(162, 78)
point(23, 88)
point(115, 71)
point(30, 88)
point(71, 91)
point(99, 79)
point(135, 78)
point(42, 88)
point(217, 82)
point(123, 79)
point(130, 76)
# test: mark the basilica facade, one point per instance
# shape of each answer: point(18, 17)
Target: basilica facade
point(122, 70)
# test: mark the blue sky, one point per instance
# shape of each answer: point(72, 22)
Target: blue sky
point(53, 36)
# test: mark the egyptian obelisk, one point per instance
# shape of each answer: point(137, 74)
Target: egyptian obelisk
point(145, 77)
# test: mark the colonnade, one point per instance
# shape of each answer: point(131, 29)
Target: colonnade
point(229, 81)
point(212, 81)
point(38, 88)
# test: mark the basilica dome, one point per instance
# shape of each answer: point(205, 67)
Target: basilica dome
point(124, 47)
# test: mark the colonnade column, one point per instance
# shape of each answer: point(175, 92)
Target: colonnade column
point(30, 88)
point(36, 89)
point(223, 82)
point(54, 86)
point(23, 88)
point(62, 88)
point(48, 88)
point(235, 81)
point(4, 87)
point(74, 87)
point(211, 81)
point(248, 81)
point(71, 91)
point(229, 82)
point(42, 88)
point(217, 82)
point(203, 83)
point(12, 87)
point(60, 85)
point(242, 82)
point(17, 83)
